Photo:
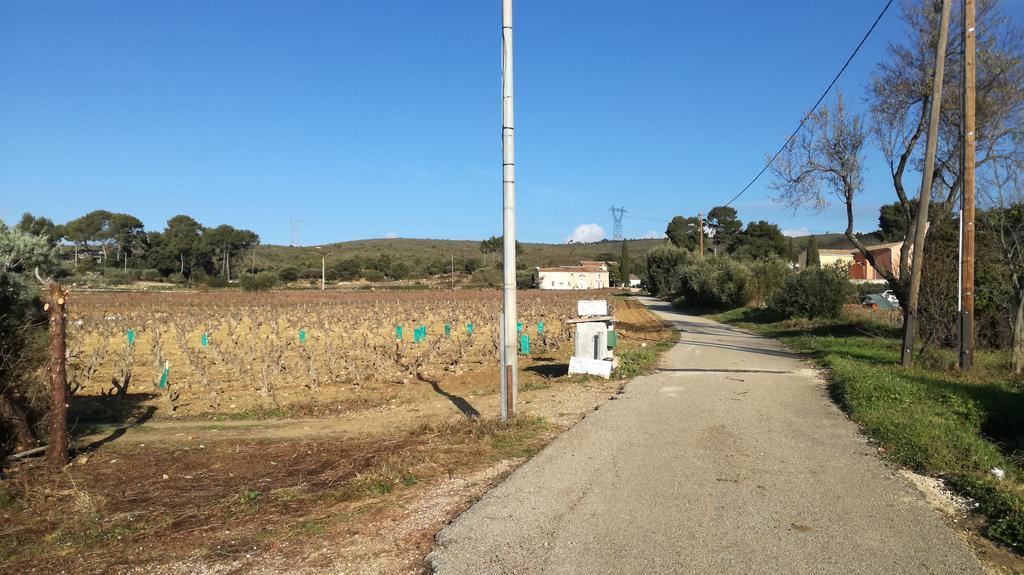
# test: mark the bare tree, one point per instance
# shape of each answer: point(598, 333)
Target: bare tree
point(1003, 191)
point(899, 97)
point(826, 160)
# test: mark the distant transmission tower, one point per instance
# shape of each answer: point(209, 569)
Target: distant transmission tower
point(295, 232)
point(617, 214)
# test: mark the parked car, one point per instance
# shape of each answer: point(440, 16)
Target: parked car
point(889, 295)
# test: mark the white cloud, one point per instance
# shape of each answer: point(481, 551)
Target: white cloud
point(797, 232)
point(391, 235)
point(654, 235)
point(586, 233)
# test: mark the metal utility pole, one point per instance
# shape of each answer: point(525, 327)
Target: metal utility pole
point(509, 375)
point(924, 195)
point(700, 230)
point(967, 198)
point(617, 214)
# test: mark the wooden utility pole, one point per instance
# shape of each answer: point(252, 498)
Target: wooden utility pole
point(924, 195)
point(967, 199)
point(700, 230)
point(57, 446)
point(509, 372)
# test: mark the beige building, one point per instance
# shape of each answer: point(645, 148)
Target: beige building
point(886, 256)
point(586, 275)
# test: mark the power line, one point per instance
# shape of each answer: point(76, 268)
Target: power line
point(816, 104)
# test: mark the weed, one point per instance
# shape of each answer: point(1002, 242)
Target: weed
point(8, 545)
point(7, 498)
point(250, 497)
point(312, 527)
point(534, 386)
point(641, 360)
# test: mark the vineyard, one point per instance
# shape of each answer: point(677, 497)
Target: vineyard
point(227, 352)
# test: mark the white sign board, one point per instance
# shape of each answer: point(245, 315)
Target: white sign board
point(597, 367)
point(585, 307)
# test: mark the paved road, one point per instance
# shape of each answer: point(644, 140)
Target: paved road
point(730, 460)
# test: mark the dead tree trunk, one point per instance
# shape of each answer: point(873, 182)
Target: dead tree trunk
point(57, 450)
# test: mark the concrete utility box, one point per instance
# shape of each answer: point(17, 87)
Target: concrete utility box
point(592, 354)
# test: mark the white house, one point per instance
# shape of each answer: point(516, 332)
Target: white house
point(586, 275)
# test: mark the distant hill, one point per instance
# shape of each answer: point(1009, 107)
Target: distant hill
point(427, 250)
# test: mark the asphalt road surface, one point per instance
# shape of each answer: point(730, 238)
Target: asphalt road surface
point(731, 459)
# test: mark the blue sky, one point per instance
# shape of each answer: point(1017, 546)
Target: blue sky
point(373, 118)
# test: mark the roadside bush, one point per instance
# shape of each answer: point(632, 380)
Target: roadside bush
point(663, 263)
point(715, 282)
point(177, 278)
point(766, 280)
point(815, 293)
point(288, 274)
point(263, 281)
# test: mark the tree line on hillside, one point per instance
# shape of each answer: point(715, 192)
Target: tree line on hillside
point(109, 239)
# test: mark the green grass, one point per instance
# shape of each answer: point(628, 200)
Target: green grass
point(930, 418)
point(640, 360)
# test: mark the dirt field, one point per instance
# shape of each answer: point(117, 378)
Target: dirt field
point(237, 354)
point(325, 486)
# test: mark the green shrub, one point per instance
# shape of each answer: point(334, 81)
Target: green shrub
point(217, 281)
point(262, 281)
point(766, 279)
point(151, 275)
point(815, 293)
point(118, 277)
point(177, 278)
point(713, 282)
point(488, 277)
point(373, 276)
point(663, 265)
point(288, 274)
